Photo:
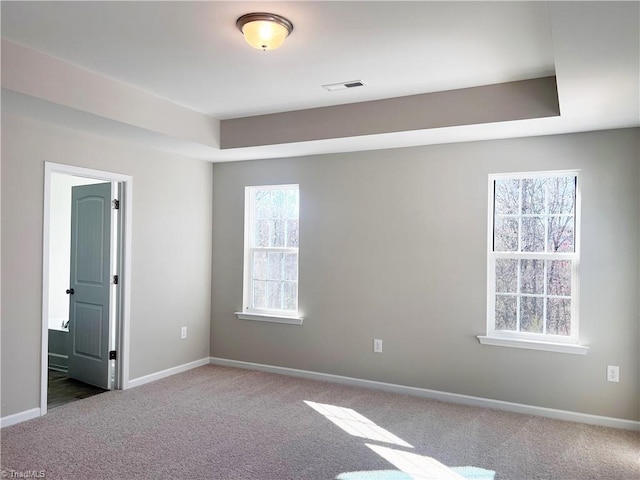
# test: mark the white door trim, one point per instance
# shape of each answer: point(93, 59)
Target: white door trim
point(122, 376)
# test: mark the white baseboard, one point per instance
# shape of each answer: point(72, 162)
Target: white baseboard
point(19, 417)
point(437, 395)
point(357, 382)
point(136, 382)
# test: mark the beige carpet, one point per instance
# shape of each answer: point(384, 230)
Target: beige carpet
point(225, 423)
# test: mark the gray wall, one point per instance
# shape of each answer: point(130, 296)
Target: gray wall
point(171, 252)
point(393, 246)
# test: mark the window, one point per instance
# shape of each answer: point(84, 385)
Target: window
point(533, 261)
point(272, 229)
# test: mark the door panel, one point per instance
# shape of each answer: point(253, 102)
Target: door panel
point(87, 332)
point(89, 314)
point(90, 247)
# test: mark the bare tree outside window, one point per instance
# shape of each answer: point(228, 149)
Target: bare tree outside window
point(533, 253)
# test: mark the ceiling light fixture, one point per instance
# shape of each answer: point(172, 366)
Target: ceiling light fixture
point(264, 31)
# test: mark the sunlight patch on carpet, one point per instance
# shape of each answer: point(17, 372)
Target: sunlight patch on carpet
point(419, 467)
point(469, 473)
point(411, 466)
point(355, 424)
point(475, 473)
point(375, 475)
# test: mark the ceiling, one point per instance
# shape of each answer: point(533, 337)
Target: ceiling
point(191, 54)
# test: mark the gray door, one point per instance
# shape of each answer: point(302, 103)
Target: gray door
point(90, 284)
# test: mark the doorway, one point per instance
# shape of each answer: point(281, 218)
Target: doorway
point(85, 340)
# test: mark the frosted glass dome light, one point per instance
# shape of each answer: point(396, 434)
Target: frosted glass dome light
point(264, 31)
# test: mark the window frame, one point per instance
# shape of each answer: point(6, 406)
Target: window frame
point(531, 340)
point(248, 311)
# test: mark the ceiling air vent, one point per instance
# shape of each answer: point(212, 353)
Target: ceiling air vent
point(344, 85)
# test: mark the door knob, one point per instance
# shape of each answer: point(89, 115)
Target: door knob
point(70, 291)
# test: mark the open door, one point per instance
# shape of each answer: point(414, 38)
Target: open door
point(90, 285)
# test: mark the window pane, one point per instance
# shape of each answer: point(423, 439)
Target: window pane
point(277, 203)
point(291, 204)
point(262, 234)
point(506, 313)
point(506, 234)
point(559, 316)
point(290, 295)
point(531, 311)
point(274, 295)
point(559, 277)
point(277, 239)
point(532, 234)
point(263, 203)
point(275, 266)
point(291, 266)
point(506, 275)
point(532, 275)
point(259, 269)
point(259, 294)
point(561, 234)
point(533, 195)
point(292, 233)
point(561, 194)
point(507, 196)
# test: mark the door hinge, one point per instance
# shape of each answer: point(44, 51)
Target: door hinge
point(112, 355)
point(115, 279)
point(116, 204)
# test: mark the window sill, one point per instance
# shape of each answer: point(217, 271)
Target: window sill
point(262, 317)
point(534, 345)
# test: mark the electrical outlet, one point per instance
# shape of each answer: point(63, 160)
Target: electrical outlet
point(377, 345)
point(613, 373)
point(183, 333)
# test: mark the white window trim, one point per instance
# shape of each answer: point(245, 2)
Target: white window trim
point(533, 341)
point(533, 345)
point(262, 315)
